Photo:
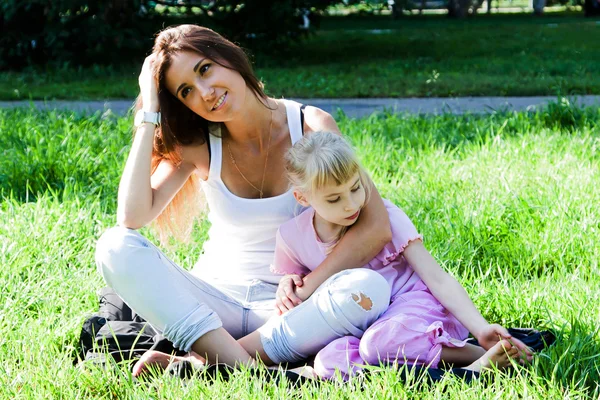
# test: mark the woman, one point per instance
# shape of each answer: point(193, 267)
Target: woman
point(217, 129)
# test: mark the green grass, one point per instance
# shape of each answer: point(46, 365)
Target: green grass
point(508, 203)
point(419, 56)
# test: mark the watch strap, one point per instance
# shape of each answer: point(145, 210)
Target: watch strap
point(147, 116)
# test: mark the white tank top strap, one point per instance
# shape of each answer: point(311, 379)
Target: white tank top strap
point(216, 151)
point(216, 147)
point(241, 238)
point(294, 121)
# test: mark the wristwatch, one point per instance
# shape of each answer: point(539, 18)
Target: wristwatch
point(144, 116)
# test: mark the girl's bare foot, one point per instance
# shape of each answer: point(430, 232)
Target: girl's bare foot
point(498, 356)
point(160, 360)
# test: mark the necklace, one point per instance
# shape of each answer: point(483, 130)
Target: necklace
point(262, 183)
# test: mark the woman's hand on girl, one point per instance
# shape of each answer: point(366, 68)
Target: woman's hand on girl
point(286, 297)
point(491, 334)
point(148, 86)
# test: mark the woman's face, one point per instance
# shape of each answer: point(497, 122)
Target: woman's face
point(210, 90)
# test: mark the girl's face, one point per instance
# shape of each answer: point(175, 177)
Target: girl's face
point(210, 90)
point(337, 204)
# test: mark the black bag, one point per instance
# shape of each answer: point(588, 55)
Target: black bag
point(117, 331)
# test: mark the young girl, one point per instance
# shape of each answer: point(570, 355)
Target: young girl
point(430, 314)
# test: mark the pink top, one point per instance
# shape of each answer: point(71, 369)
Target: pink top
point(298, 249)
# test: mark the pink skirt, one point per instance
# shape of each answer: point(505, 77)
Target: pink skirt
point(412, 330)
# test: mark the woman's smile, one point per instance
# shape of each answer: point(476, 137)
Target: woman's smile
point(219, 104)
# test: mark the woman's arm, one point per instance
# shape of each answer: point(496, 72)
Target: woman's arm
point(364, 240)
point(143, 195)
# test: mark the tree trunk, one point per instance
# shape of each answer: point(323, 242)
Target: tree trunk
point(397, 9)
point(458, 8)
point(538, 7)
point(592, 8)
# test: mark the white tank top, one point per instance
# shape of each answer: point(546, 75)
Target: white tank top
point(241, 239)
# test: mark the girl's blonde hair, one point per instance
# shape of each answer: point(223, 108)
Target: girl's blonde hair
point(322, 159)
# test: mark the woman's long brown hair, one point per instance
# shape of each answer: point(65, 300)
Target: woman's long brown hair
point(182, 127)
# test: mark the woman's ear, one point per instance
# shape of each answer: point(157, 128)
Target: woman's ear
point(301, 198)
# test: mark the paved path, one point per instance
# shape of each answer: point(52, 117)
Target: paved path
point(355, 107)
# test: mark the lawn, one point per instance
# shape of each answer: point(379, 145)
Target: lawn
point(375, 56)
point(508, 203)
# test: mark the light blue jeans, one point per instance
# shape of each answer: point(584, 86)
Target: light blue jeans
point(185, 307)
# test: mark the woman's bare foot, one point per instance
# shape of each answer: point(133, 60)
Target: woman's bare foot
point(160, 360)
point(306, 370)
point(498, 356)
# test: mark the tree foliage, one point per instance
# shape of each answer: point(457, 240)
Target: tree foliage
point(72, 31)
point(82, 32)
point(252, 22)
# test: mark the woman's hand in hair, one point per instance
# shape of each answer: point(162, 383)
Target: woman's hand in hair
point(148, 85)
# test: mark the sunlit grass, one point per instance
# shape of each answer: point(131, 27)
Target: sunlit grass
point(506, 202)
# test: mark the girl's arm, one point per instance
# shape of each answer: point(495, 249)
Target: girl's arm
point(454, 298)
point(364, 240)
point(444, 287)
point(287, 263)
